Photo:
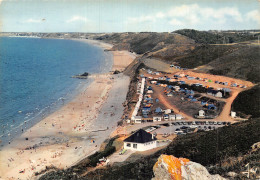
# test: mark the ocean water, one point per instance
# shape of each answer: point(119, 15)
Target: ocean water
point(35, 78)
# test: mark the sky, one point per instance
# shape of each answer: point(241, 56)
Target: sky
point(127, 15)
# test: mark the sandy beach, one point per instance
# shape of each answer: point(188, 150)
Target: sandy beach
point(123, 59)
point(72, 132)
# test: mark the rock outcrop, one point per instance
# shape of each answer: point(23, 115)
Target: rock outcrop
point(169, 167)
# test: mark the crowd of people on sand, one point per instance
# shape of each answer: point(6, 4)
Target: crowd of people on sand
point(81, 126)
point(20, 152)
point(57, 154)
point(33, 164)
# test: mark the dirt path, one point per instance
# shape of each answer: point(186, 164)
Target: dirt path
point(225, 114)
point(159, 65)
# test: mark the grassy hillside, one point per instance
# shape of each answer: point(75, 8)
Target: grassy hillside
point(241, 63)
point(205, 37)
point(248, 102)
point(201, 55)
point(238, 61)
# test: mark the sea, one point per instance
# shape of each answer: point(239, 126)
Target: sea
point(36, 78)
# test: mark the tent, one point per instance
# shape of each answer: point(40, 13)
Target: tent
point(203, 103)
point(194, 99)
point(212, 106)
point(158, 110)
point(190, 97)
point(226, 90)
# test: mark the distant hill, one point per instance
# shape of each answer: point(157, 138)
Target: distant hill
point(195, 49)
point(206, 37)
point(145, 42)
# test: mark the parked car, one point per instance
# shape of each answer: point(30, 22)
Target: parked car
point(193, 126)
point(184, 127)
point(178, 131)
point(123, 151)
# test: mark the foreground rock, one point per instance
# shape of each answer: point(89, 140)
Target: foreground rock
point(169, 167)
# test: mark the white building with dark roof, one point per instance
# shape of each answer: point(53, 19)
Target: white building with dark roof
point(140, 141)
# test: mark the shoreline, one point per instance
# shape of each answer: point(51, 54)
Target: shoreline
point(68, 132)
point(48, 110)
point(17, 131)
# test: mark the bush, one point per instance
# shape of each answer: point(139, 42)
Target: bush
point(247, 102)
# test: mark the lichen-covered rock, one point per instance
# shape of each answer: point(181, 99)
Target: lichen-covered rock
point(171, 168)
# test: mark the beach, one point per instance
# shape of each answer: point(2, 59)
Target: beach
point(74, 131)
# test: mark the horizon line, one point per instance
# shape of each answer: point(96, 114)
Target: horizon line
point(128, 31)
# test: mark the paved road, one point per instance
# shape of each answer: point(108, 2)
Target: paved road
point(130, 128)
point(171, 129)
